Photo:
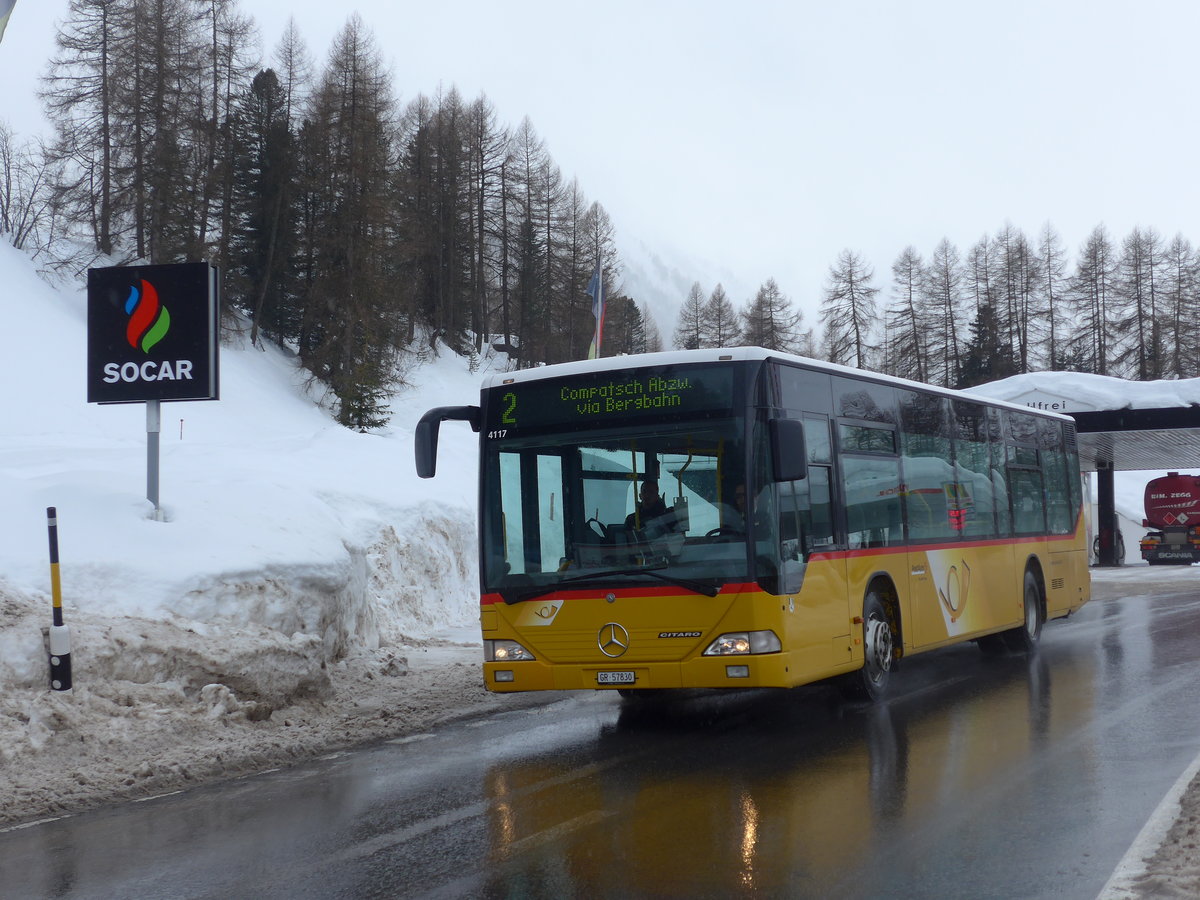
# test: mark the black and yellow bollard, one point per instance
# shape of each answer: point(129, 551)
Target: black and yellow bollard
point(60, 634)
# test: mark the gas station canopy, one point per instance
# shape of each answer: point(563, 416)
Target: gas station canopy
point(1130, 439)
point(1120, 426)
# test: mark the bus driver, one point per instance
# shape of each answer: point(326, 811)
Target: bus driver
point(651, 512)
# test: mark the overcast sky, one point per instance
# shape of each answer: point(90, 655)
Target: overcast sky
point(766, 137)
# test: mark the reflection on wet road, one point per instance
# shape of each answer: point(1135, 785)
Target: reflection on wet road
point(984, 777)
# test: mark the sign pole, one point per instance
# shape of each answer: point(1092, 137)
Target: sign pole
point(153, 428)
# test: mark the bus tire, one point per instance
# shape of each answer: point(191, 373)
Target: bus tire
point(1024, 638)
point(871, 681)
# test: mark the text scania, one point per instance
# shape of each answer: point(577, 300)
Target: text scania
point(150, 370)
point(623, 396)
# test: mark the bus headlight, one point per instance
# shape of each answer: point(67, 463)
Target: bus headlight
point(743, 643)
point(505, 651)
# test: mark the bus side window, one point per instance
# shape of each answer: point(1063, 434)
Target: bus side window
point(871, 485)
point(872, 490)
point(931, 490)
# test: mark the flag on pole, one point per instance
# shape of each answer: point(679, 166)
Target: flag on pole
point(595, 290)
point(6, 7)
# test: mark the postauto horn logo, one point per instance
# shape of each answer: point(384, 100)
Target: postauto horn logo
point(149, 320)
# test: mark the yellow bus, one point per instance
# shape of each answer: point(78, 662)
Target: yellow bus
point(745, 519)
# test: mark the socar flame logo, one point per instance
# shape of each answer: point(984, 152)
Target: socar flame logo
point(149, 320)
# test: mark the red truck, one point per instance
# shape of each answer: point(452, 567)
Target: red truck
point(1173, 514)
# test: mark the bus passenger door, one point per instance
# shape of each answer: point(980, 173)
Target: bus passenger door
point(824, 597)
point(822, 632)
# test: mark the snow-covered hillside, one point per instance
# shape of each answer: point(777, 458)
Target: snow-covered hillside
point(275, 515)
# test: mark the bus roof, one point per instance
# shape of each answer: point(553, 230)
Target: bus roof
point(680, 357)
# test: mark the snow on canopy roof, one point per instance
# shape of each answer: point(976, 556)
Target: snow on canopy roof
point(1082, 392)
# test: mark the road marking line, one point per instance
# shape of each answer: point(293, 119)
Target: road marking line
point(549, 835)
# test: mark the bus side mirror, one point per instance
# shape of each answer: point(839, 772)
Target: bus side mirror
point(425, 439)
point(788, 453)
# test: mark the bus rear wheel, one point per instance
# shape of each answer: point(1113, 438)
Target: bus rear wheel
point(872, 680)
point(1024, 638)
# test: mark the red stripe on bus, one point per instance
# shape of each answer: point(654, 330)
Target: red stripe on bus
point(948, 545)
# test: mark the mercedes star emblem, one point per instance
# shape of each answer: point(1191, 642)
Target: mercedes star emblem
point(613, 640)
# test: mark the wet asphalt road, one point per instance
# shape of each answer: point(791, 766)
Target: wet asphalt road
point(982, 777)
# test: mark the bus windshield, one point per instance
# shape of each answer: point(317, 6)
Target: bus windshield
point(616, 506)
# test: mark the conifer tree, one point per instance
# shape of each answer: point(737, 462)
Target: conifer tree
point(1017, 272)
point(689, 331)
point(945, 309)
point(353, 327)
point(598, 249)
point(907, 325)
point(771, 322)
point(1138, 323)
point(987, 355)
point(849, 313)
point(1094, 299)
point(719, 321)
point(1181, 291)
point(981, 277)
point(654, 342)
point(294, 67)
point(549, 213)
point(488, 148)
point(81, 95)
point(260, 274)
point(528, 246)
point(624, 330)
point(1052, 284)
point(165, 54)
point(227, 66)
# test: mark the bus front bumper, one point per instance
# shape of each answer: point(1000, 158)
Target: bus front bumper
point(749, 671)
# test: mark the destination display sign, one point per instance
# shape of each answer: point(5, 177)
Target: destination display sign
point(602, 397)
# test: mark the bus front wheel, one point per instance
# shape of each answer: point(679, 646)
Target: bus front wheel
point(871, 681)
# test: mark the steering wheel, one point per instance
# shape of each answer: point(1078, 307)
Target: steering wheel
point(726, 531)
point(598, 527)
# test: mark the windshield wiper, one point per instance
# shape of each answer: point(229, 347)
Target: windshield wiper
point(699, 587)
